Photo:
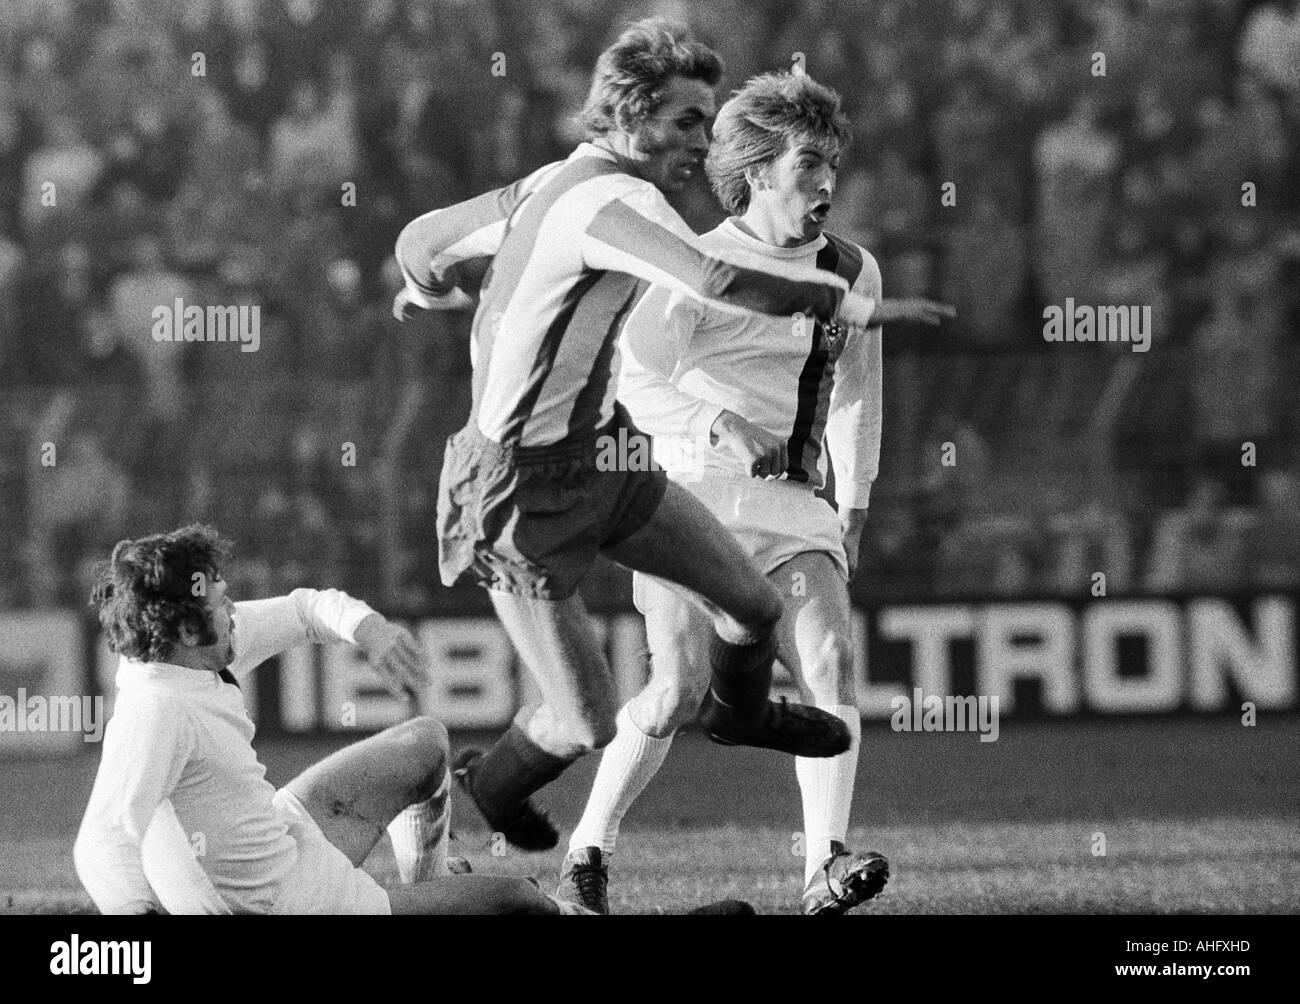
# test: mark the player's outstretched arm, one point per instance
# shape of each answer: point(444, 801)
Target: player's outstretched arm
point(864, 312)
point(640, 234)
point(265, 628)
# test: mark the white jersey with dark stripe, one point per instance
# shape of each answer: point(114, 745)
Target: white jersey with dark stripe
point(683, 363)
point(559, 259)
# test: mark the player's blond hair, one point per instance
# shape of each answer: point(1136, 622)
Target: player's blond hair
point(761, 121)
point(633, 73)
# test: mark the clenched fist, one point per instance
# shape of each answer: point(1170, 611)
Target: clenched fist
point(763, 454)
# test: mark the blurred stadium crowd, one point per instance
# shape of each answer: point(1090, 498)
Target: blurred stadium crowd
point(230, 188)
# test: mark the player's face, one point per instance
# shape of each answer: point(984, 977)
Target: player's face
point(669, 147)
point(221, 611)
point(800, 186)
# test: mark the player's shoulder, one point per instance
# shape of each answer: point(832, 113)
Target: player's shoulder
point(719, 238)
point(148, 697)
point(858, 265)
point(589, 163)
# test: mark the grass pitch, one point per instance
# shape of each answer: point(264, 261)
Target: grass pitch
point(1198, 815)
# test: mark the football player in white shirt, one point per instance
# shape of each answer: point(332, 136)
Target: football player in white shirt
point(741, 408)
point(182, 819)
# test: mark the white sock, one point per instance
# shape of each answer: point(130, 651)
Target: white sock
point(420, 834)
point(826, 784)
point(626, 767)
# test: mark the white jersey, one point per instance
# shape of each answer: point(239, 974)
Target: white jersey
point(183, 737)
point(684, 362)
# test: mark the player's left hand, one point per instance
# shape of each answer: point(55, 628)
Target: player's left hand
point(395, 654)
point(851, 526)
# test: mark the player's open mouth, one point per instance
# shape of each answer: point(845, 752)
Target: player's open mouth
point(820, 212)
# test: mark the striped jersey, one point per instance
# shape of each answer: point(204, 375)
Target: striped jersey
point(683, 363)
point(559, 259)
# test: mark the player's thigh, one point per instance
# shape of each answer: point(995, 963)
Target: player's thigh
point(814, 637)
point(469, 895)
point(354, 793)
point(559, 645)
point(684, 543)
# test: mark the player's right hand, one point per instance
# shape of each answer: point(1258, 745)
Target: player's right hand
point(404, 307)
point(393, 651)
point(763, 454)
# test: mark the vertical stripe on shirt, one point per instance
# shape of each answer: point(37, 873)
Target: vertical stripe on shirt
point(606, 307)
point(816, 378)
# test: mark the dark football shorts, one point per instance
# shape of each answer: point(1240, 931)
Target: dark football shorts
point(530, 520)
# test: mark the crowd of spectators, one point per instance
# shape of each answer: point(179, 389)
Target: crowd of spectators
point(267, 152)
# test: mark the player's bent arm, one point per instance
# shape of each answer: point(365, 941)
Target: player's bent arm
point(450, 249)
point(641, 234)
point(655, 340)
point(146, 747)
point(265, 628)
point(855, 417)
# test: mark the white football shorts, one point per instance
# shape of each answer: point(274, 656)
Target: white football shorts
point(773, 521)
point(323, 881)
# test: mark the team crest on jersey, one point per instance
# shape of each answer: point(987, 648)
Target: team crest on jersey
point(834, 338)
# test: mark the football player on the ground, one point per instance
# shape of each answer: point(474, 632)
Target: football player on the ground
point(765, 393)
point(182, 818)
point(522, 508)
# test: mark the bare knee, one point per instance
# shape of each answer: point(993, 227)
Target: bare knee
point(575, 737)
point(425, 747)
point(668, 703)
point(595, 735)
point(830, 675)
point(756, 616)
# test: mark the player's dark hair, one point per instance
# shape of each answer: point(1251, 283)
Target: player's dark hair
point(145, 592)
point(633, 73)
point(761, 121)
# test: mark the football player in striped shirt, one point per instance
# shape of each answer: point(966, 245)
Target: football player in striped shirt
point(771, 396)
point(557, 260)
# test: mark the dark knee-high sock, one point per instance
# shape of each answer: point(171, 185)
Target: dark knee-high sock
point(513, 769)
point(742, 674)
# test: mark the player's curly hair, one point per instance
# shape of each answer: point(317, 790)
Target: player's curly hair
point(759, 122)
point(631, 75)
point(144, 592)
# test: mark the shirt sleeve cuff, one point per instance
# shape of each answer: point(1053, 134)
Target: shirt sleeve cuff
point(701, 425)
point(854, 495)
point(453, 299)
point(354, 612)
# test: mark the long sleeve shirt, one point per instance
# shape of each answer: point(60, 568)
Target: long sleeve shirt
point(183, 736)
point(559, 258)
point(683, 363)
